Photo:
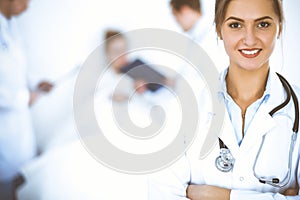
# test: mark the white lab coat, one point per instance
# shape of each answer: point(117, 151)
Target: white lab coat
point(172, 182)
point(17, 143)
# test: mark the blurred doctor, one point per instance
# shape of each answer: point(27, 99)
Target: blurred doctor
point(17, 142)
point(194, 17)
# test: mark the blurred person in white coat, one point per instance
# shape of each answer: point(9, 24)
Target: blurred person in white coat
point(257, 152)
point(195, 19)
point(197, 23)
point(17, 141)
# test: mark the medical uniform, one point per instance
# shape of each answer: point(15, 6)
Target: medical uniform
point(17, 143)
point(172, 182)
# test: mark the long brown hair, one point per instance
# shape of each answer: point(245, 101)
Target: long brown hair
point(221, 7)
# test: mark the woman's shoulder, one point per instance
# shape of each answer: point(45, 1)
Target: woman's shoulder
point(296, 89)
point(283, 78)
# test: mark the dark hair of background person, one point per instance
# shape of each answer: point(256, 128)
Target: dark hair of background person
point(193, 4)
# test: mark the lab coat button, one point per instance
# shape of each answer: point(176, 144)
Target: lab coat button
point(241, 178)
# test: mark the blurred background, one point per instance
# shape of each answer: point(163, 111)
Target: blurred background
point(60, 34)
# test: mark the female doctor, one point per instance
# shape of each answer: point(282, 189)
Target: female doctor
point(257, 156)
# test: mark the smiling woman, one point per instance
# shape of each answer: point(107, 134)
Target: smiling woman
point(250, 91)
point(250, 36)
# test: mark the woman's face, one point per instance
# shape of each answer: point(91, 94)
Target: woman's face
point(249, 32)
point(115, 52)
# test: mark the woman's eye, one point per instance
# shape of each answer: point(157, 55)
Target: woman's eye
point(234, 25)
point(263, 24)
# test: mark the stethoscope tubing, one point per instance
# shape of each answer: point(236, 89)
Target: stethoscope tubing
point(271, 180)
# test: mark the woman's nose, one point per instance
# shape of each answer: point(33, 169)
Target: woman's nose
point(250, 37)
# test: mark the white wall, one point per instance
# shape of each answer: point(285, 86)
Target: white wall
point(291, 41)
point(61, 33)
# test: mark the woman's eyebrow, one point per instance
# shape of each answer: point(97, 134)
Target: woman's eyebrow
point(241, 20)
point(263, 18)
point(234, 18)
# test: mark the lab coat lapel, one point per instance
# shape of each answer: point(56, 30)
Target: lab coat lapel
point(263, 122)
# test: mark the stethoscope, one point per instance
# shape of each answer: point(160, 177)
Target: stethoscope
point(225, 161)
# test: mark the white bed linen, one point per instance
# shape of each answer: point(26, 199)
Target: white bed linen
point(66, 171)
point(70, 172)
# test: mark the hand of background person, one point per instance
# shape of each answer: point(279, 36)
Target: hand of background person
point(43, 87)
point(140, 86)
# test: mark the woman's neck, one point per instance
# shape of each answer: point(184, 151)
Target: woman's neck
point(245, 86)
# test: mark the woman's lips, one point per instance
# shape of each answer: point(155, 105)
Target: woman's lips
point(250, 53)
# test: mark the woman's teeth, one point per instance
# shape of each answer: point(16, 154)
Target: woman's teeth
point(252, 52)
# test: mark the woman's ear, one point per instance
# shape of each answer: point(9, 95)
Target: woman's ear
point(220, 36)
point(280, 31)
point(219, 33)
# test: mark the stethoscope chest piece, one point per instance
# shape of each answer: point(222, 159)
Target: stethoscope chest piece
point(225, 161)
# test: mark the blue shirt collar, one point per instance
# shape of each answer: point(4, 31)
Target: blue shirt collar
point(223, 94)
